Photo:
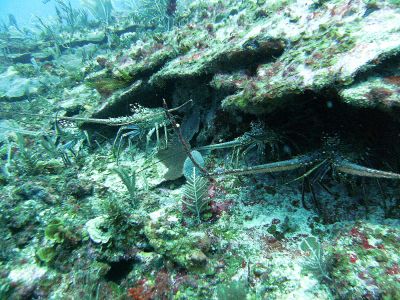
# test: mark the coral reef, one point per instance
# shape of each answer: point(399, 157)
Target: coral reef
point(201, 150)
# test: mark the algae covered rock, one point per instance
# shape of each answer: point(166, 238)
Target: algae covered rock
point(149, 260)
point(27, 274)
point(366, 262)
point(380, 89)
point(171, 239)
point(324, 51)
point(265, 56)
point(14, 87)
point(372, 93)
point(79, 98)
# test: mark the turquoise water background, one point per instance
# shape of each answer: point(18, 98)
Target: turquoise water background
point(25, 10)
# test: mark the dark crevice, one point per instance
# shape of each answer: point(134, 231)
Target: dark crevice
point(370, 133)
point(305, 119)
point(119, 270)
point(171, 184)
point(369, 137)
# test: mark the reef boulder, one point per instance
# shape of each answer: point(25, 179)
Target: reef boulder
point(14, 87)
point(177, 243)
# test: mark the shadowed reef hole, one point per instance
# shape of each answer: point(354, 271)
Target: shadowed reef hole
point(119, 270)
point(310, 117)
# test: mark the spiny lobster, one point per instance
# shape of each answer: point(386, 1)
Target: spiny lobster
point(258, 137)
point(325, 159)
point(320, 162)
point(143, 119)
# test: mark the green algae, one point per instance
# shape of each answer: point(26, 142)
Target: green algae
point(46, 254)
point(55, 231)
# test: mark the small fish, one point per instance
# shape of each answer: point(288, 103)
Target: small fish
point(45, 1)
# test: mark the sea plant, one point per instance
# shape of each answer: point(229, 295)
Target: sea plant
point(65, 145)
point(5, 288)
point(87, 54)
point(83, 18)
point(101, 10)
point(51, 146)
point(3, 27)
point(318, 263)
point(56, 233)
point(47, 30)
point(129, 180)
point(195, 195)
point(65, 13)
point(27, 155)
point(116, 211)
point(118, 221)
point(159, 12)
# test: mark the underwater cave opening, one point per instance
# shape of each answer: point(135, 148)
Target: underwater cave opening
point(119, 270)
point(310, 116)
point(368, 137)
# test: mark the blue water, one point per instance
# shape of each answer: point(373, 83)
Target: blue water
point(26, 10)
